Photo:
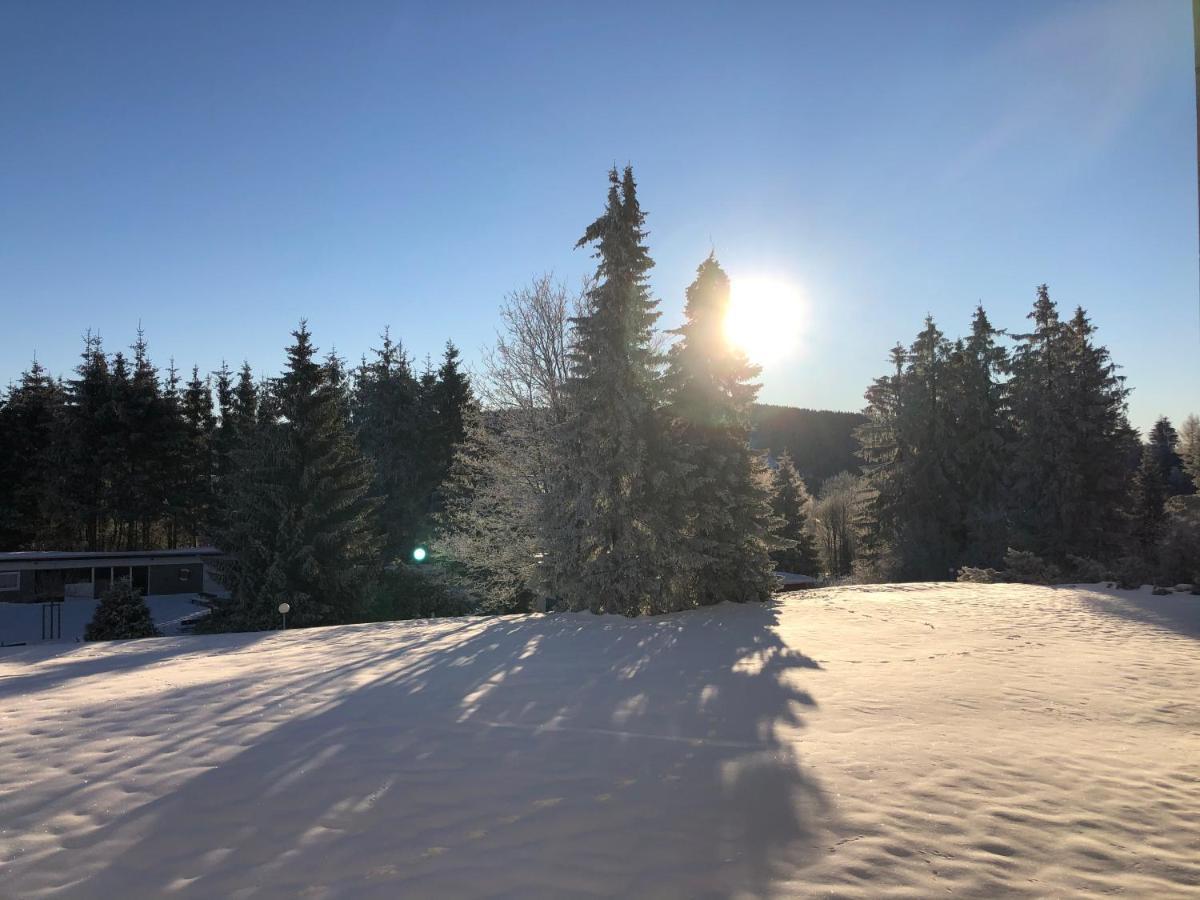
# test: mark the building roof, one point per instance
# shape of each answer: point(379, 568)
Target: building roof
point(70, 559)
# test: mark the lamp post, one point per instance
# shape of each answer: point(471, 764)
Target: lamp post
point(284, 609)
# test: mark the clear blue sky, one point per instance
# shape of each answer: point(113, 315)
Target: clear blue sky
point(218, 170)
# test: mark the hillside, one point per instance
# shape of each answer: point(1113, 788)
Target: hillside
point(821, 441)
point(899, 741)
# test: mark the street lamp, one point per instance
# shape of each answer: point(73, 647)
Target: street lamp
point(284, 609)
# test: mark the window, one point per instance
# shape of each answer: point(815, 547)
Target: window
point(10, 581)
point(185, 574)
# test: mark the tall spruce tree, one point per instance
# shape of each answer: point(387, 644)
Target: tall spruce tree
point(199, 428)
point(1149, 503)
point(916, 502)
point(978, 442)
point(1069, 469)
point(791, 503)
point(386, 421)
point(30, 415)
point(607, 529)
point(1189, 447)
point(83, 482)
point(724, 499)
point(300, 527)
point(1164, 445)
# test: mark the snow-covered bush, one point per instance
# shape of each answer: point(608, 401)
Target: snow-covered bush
point(409, 592)
point(1131, 572)
point(121, 614)
point(973, 575)
point(1087, 571)
point(1179, 550)
point(1028, 568)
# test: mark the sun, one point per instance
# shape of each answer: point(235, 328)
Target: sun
point(765, 318)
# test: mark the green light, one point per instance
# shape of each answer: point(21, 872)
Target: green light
point(419, 554)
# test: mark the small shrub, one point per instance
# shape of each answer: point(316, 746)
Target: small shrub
point(1087, 571)
point(972, 575)
point(409, 592)
point(1024, 567)
point(1131, 572)
point(121, 614)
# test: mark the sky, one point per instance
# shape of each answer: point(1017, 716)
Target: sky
point(216, 171)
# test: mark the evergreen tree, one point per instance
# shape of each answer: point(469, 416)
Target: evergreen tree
point(791, 503)
point(723, 501)
point(1149, 503)
point(148, 432)
point(606, 527)
point(300, 526)
point(979, 441)
point(1189, 447)
point(1164, 443)
point(916, 501)
point(83, 482)
point(120, 615)
point(386, 421)
point(1069, 466)
point(29, 418)
point(199, 428)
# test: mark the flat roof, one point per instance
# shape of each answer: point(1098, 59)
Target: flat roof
point(67, 559)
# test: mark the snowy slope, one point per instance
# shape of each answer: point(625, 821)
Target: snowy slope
point(905, 741)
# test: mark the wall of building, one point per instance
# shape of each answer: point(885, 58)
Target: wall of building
point(24, 593)
point(176, 579)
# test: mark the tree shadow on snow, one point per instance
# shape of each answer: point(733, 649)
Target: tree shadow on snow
point(1174, 612)
point(566, 755)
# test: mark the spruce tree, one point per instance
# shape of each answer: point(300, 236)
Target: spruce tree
point(791, 503)
point(120, 615)
point(83, 482)
point(1149, 503)
point(609, 537)
point(1189, 447)
point(1164, 444)
point(1069, 467)
point(386, 421)
point(30, 418)
point(724, 500)
point(300, 526)
point(979, 441)
point(200, 426)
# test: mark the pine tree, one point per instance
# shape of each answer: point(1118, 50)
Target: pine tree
point(1069, 466)
point(200, 425)
point(1189, 447)
point(300, 526)
point(83, 482)
point(791, 503)
point(30, 416)
point(1149, 503)
point(386, 421)
point(606, 528)
point(120, 615)
point(723, 498)
point(978, 443)
point(885, 461)
point(915, 500)
point(1164, 443)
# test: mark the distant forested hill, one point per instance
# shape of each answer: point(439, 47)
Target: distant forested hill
point(820, 441)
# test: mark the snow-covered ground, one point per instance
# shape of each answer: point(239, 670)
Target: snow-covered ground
point(899, 741)
point(22, 622)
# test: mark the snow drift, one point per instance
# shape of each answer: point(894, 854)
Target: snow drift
point(893, 741)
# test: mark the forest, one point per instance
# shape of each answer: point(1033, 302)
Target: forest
point(597, 462)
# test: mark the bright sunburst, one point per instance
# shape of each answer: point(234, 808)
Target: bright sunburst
point(765, 318)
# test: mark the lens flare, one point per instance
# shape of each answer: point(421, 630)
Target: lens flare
point(765, 318)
